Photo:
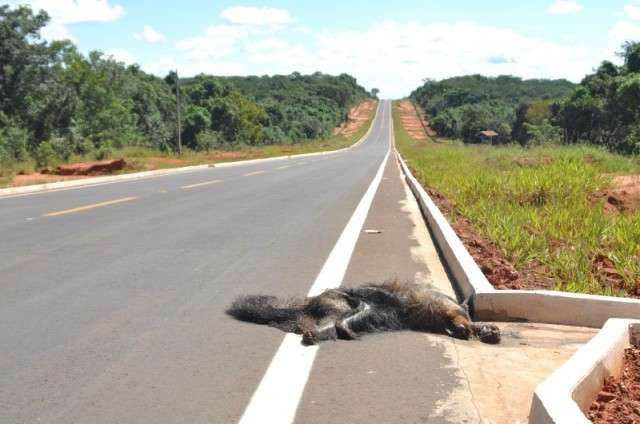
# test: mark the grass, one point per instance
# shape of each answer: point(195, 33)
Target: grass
point(139, 159)
point(537, 204)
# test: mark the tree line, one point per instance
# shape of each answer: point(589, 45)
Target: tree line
point(604, 109)
point(56, 102)
point(461, 107)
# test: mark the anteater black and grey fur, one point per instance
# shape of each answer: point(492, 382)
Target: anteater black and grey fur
point(345, 313)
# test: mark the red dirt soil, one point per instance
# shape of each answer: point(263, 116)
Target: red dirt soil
point(358, 116)
point(496, 267)
point(619, 400)
point(605, 270)
point(623, 196)
point(73, 171)
point(414, 121)
point(89, 168)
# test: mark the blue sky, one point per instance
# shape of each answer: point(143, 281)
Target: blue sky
point(391, 45)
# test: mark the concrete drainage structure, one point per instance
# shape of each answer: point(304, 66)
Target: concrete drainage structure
point(566, 395)
point(563, 396)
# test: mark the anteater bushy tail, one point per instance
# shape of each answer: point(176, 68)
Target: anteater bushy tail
point(268, 310)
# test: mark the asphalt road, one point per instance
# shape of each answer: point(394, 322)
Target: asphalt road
point(112, 296)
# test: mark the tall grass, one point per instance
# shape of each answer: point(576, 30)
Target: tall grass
point(537, 204)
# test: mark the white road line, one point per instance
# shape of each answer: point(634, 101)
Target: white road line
point(277, 397)
point(253, 173)
point(206, 183)
point(284, 167)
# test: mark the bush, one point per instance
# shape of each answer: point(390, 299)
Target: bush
point(105, 151)
point(62, 148)
point(16, 141)
point(207, 140)
point(85, 147)
point(45, 155)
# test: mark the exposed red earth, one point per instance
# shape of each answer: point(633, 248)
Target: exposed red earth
point(496, 267)
point(623, 196)
point(358, 116)
point(67, 172)
point(619, 400)
point(414, 121)
point(89, 168)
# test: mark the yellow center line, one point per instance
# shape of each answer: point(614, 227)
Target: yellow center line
point(284, 167)
point(253, 173)
point(93, 206)
point(206, 183)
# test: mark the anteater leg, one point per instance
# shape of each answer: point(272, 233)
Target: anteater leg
point(343, 326)
point(332, 329)
point(487, 333)
point(459, 327)
point(319, 333)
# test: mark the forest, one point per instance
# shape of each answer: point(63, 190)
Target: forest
point(56, 102)
point(603, 110)
point(461, 107)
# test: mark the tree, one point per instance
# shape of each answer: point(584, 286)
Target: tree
point(631, 55)
point(196, 120)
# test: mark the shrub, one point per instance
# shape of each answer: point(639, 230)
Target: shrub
point(45, 155)
point(16, 141)
point(105, 151)
point(62, 148)
point(207, 140)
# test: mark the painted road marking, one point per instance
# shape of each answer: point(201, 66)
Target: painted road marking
point(93, 206)
point(253, 173)
point(302, 163)
point(277, 397)
point(284, 167)
point(206, 183)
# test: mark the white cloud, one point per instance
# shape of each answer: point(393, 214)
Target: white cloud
point(393, 56)
point(257, 16)
point(121, 56)
point(266, 44)
point(564, 7)
point(218, 41)
point(76, 11)
point(67, 12)
point(150, 35)
point(56, 31)
point(624, 31)
point(632, 11)
point(396, 57)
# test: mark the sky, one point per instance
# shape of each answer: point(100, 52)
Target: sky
point(389, 45)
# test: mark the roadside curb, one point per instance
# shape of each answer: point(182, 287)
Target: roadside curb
point(36, 188)
point(542, 306)
point(566, 395)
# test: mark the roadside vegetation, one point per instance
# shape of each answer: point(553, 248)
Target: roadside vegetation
point(58, 106)
point(146, 159)
point(552, 209)
point(603, 110)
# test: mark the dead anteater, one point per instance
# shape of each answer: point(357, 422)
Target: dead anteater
point(346, 313)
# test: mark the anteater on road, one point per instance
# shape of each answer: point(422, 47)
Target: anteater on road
point(345, 313)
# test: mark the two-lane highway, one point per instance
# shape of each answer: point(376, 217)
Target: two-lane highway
point(112, 297)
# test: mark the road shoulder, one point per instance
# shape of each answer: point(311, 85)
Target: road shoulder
point(417, 377)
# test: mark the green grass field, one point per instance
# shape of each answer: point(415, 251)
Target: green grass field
point(139, 159)
point(537, 204)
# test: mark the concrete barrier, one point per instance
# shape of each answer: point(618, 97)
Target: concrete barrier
point(551, 307)
point(566, 395)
